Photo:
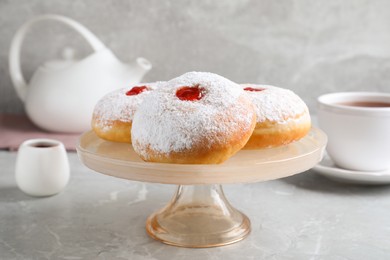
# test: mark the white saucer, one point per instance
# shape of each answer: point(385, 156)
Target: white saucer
point(328, 169)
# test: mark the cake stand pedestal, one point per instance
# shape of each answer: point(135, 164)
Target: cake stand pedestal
point(199, 215)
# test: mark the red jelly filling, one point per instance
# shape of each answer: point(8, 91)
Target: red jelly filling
point(189, 93)
point(254, 89)
point(136, 90)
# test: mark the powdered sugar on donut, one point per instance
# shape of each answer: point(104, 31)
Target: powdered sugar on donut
point(167, 124)
point(116, 105)
point(275, 104)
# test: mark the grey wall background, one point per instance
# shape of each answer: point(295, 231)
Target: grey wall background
point(311, 47)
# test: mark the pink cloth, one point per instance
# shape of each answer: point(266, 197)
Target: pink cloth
point(15, 129)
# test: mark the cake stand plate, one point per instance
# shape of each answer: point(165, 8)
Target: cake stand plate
point(199, 214)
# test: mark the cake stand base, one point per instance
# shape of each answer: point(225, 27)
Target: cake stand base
point(198, 216)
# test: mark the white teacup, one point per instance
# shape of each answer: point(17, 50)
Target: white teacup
point(42, 167)
point(358, 129)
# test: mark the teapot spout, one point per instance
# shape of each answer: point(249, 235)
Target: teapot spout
point(141, 67)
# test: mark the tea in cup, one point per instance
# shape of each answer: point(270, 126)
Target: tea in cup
point(358, 129)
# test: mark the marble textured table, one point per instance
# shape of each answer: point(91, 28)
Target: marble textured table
point(100, 217)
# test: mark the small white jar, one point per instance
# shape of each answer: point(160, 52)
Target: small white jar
point(42, 167)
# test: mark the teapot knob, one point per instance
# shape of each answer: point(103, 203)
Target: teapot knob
point(68, 59)
point(68, 54)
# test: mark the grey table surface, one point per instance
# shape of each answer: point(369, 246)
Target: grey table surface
point(305, 216)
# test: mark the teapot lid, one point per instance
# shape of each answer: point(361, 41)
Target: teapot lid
point(68, 58)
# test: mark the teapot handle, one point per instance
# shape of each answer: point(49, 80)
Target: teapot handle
point(16, 44)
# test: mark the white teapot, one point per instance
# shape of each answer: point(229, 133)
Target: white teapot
point(61, 95)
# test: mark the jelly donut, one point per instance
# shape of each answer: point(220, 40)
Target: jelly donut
point(113, 114)
point(197, 118)
point(281, 116)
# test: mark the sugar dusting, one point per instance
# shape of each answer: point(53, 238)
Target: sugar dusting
point(167, 124)
point(275, 104)
point(116, 105)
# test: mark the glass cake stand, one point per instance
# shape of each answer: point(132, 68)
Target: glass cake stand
point(199, 215)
